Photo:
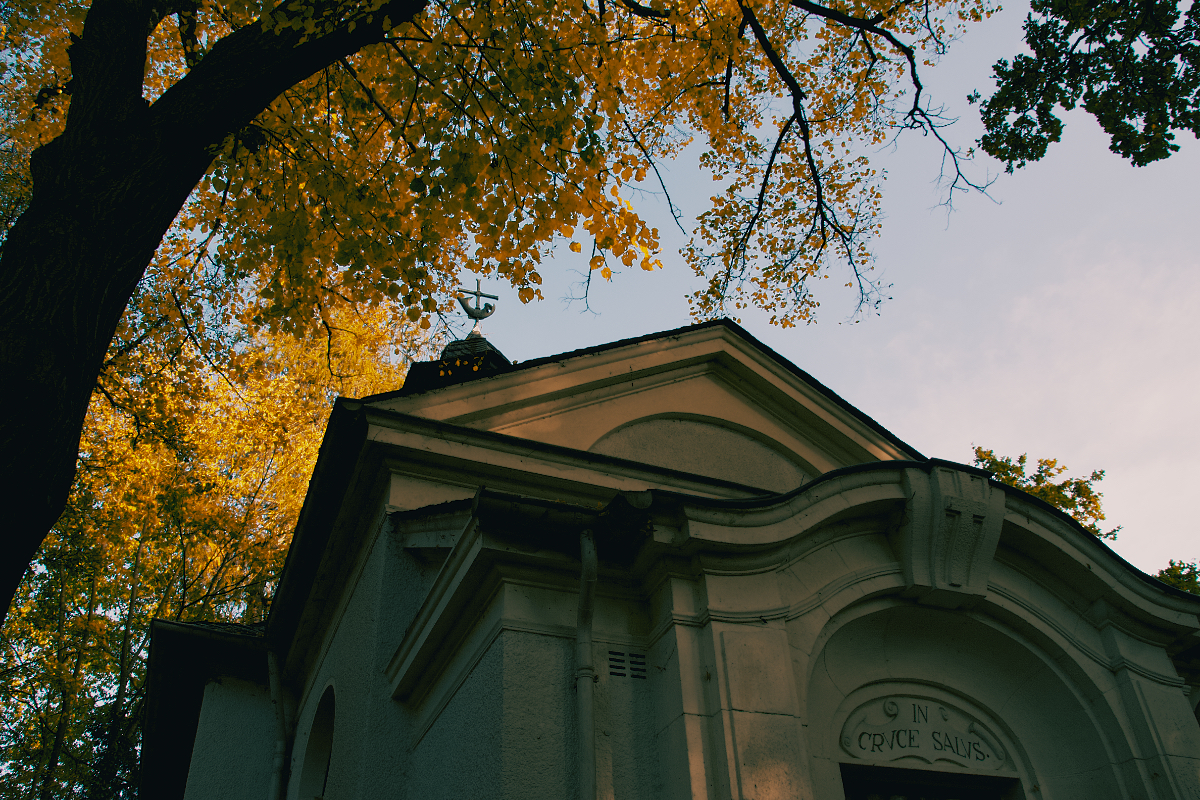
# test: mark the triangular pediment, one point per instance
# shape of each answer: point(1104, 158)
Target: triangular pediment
point(708, 399)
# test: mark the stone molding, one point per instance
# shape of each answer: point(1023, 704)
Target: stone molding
point(944, 543)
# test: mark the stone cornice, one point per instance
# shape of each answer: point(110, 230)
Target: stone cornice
point(744, 537)
point(423, 446)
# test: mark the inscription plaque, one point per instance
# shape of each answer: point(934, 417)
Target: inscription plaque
point(915, 728)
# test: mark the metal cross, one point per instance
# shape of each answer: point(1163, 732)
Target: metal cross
point(477, 313)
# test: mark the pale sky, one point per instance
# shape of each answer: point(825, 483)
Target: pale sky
point(1059, 320)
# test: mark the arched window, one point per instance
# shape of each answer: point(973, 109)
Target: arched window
point(314, 773)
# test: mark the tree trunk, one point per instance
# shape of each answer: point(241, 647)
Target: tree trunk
point(104, 194)
point(46, 792)
point(67, 706)
point(106, 770)
point(66, 696)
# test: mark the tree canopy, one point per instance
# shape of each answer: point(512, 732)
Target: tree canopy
point(1077, 497)
point(215, 215)
point(319, 154)
point(1183, 575)
point(1135, 67)
point(190, 481)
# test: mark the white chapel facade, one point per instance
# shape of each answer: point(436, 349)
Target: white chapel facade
point(673, 567)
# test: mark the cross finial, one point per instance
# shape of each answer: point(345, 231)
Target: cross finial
point(477, 313)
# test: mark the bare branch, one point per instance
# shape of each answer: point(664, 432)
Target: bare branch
point(728, 85)
point(675, 212)
point(367, 90)
point(762, 189)
point(587, 287)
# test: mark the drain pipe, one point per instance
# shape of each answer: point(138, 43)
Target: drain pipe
point(585, 672)
point(275, 792)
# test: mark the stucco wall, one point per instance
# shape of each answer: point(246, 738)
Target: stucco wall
point(235, 743)
point(386, 762)
point(627, 764)
point(347, 664)
point(459, 755)
point(539, 745)
point(509, 729)
point(689, 445)
point(372, 733)
point(762, 669)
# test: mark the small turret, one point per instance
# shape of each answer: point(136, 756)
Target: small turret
point(463, 359)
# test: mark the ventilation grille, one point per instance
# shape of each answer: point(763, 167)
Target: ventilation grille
point(626, 665)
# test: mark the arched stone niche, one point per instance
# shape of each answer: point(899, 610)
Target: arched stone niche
point(997, 705)
point(314, 770)
point(705, 446)
point(922, 729)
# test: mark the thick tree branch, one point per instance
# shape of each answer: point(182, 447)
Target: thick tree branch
point(48, 93)
point(646, 12)
point(869, 25)
point(187, 37)
point(781, 69)
point(104, 193)
point(367, 91)
point(252, 66)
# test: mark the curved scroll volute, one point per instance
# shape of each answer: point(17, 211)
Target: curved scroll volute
point(474, 312)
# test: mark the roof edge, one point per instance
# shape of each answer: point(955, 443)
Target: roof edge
point(333, 474)
point(721, 323)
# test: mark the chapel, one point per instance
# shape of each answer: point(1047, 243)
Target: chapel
point(675, 567)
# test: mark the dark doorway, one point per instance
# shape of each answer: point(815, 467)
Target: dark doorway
point(888, 783)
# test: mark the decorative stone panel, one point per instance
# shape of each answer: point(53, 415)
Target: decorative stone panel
point(950, 533)
point(911, 728)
